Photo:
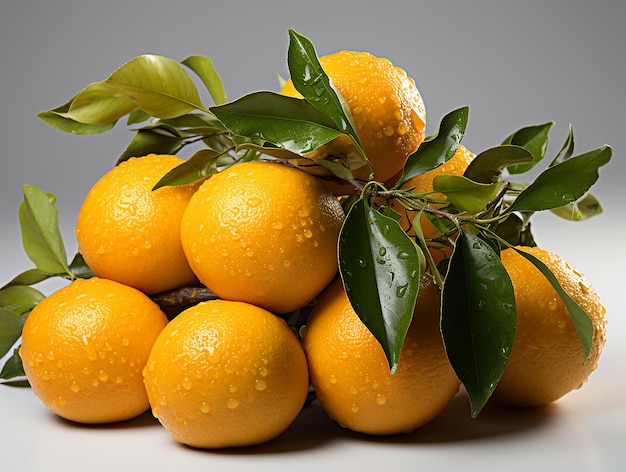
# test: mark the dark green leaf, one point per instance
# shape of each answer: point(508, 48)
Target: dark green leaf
point(380, 268)
point(478, 317)
point(515, 232)
point(567, 150)
point(580, 318)
point(439, 148)
point(13, 366)
point(204, 68)
point(286, 122)
point(158, 85)
point(563, 183)
point(79, 268)
point(465, 194)
point(202, 164)
point(311, 81)
point(151, 140)
point(194, 124)
point(10, 329)
point(41, 238)
point(535, 140)
point(487, 166)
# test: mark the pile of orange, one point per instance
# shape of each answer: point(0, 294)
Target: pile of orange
point(262, 236)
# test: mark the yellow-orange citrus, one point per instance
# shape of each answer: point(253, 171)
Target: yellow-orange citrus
point(263, 233)
point(386, 106)
point(351, 376)
point(547, 357)
point(131, 234)
point(226, 374)
point(84, 348)
point(423, 183)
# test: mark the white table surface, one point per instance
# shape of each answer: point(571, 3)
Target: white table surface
point(584, 431)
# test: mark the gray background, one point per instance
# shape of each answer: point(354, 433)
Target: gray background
point(513, 63)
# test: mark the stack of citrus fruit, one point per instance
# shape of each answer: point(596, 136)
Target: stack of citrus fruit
point(262, 236)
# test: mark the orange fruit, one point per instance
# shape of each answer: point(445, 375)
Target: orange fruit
point(423, 183)
point(225, 374)
point(131, 234)
point(263, 233)
point(547, 358)
point(387, 109)
point(84, 348)
point(351, 375)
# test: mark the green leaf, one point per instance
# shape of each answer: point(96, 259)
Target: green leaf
point(30, 277)
point(157, 140)
point(158, 85)
point(580, 318)
point(10, 329)
point(380, 269)
point(583, 209)
point(13, 366)
point(202, 164)
point(534, 139)
point(41, 238)
point(465, 194)
point(137, 116)
point(487, 167)
point(20, 299)
point(567, 150)
point(311, 81)
point(286, 122)
point(58, 119)
point(563, 183)
point(515, 232)
point(98, 104)
point(439, 148)
point(478, 318)
point(79, 267)
point(204, 68)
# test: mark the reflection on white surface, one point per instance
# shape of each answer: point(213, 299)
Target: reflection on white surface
point(579, 433)
point(583, 431)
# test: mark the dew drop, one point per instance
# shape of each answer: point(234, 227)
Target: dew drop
point(75, 387)
point(125, 342)
point(355, 408)
point(552, 304)
point(232, 403)
point(382, 251)
point(103, 376)
point(260, 385)
point(254, 202)
point(205, 408)
point(362, 263)
point(403, 255)
point(186, 384)
point(401, 290)
point(381, 399)
point(332, 379)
